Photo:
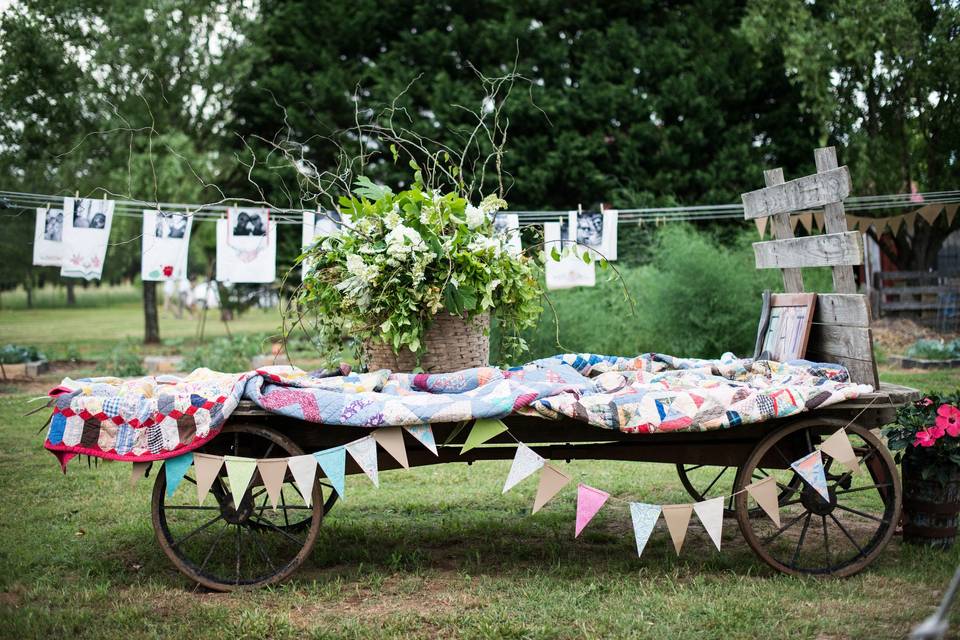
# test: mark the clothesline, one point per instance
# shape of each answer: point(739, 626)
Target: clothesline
point(281, 215)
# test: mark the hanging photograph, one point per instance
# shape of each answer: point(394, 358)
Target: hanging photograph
point(596, 230)
point(166, 245)
point(86, 231)
point(508, 225)
point(246, 246)
point(570, 270)
point(48, 238)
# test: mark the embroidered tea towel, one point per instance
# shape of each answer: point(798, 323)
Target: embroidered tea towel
point(166, 245)
point(246, 246)
point(48, 238)
point(86, 231)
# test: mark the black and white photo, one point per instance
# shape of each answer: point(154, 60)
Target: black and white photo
point(250, 223)
point(170, 225)
point(53, 225)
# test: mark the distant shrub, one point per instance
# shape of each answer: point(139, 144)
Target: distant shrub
point(15, 354)
point(124, 361)
point(926, 349)
point(226, 354)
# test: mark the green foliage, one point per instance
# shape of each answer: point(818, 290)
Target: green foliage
point(124, 360)
point(405, 257)
point(229, 354)
point(927, 349)
point(15, 354)
point(922, 432)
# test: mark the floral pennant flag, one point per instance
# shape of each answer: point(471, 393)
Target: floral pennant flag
point(424, 433)
point(139, 470)
point(304, 470)
point(551, 481)
point(710, 513)
point(810, 468)
point(765, 493)
point(391, 439)
point(589, 502)
point(240, 472)
point(525, 462)
point(838, 447)
point(482, 431)
point(644, 517)
point(333, 462)
point(272, 472)
point(677, 517)
point(364, 452)
point(206, 467)
point(174, 468)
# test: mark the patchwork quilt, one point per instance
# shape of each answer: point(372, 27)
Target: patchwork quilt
point(155, 418)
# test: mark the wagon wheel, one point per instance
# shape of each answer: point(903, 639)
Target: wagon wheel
point(703, 481)
point(839, 537)
point(224, 547)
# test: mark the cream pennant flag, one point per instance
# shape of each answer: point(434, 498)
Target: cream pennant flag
point(837, 446)
point(810, 468)
point(240, 472)
point(424, 433)
point(951, 211)
point(894, 222)
point(589, 502)
point(818, 220)
point(139, 470)
point(525, 463)
point(806, 219)
point(272, 472)
point(710, 513)
point(391, 439)
point(765, 492)
point(207, 468)
point(644, 518)
point(364, 452)
point(853, 222)
point(794, 221)
point(304, 470)
point(930, 213)
point(677, 517)
point(910, 220)
point(551, 481)
point(482, 430)
point(761, 223)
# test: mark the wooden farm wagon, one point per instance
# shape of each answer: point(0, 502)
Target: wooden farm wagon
point(227, 546)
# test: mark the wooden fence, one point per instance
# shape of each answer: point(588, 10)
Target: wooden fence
point(928, 297)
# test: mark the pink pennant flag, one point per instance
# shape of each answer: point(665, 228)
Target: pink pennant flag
point(589, 501)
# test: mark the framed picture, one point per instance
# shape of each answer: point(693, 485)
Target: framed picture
point(785, 322)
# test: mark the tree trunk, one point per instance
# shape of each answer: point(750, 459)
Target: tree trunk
point(71, 295)
point(28, 285)
point(151, 324)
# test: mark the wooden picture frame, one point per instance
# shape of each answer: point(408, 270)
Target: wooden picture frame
point(785, 323)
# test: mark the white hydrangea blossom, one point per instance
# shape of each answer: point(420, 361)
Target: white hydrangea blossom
point(356, 266)
point(475, 216)
point(402, 241)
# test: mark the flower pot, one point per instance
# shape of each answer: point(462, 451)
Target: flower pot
point(930, 507)
point(450, 344)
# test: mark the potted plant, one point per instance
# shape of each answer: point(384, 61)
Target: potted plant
point(414, 278)
point(926, 438)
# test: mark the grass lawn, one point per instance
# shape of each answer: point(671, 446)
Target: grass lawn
point(436, 551)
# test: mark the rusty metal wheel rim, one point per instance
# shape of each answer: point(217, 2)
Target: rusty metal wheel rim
point(844, 554)
point(712, 487)
point(217, 521)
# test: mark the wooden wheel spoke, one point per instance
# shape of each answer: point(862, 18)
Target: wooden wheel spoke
point(710, 486)
point(694, 468)
point(189, 479)
point(213, 547)
point(865, 488)
point(847, 534)
point(286, 534)
point(259, 545)
point(803, 536)
point(826, 542)
point(776, 535)
point(861, 514)
point(202, 527)
point(237, 581)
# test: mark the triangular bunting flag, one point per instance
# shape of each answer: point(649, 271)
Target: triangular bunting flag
point(951, 210)
point(272, 472)
point(551, 481)
point(710, 513)
point(424, 433)
point(333, 462)
point(677, 517)
point(765, 492)
point(838, 447)
point(364, 452)
point(207, 468)
point(794, 221)
point(525, 462)
point(240, 472)
point(806, 219)
point(304, 470)
point(139, 470)
point(930, 213)
point(589, 501)
point(174, 468)
point(456, 431)
point(810, 468)
point(853, 223)
point(894, 223)
point(818, 220)
point(482, 431)
point(761, 225)
point(391, 439)
point(644, 518)
point(910, 220)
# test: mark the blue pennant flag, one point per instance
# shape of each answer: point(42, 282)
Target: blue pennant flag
point(174, 469)
point(333, 462)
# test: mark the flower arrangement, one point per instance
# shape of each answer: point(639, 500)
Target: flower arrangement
point(402, 258)
point(928, 430)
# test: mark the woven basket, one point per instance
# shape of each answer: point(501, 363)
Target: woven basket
point(450, 344)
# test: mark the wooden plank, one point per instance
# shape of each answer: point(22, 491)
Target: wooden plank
point(848, 342)
point(848, 309)
point(809, 192)
point(812, 251)
point(835, 220)
point(912, 291)
point(783, 230)
point(908, 275)
point(910, 305)
point(861, 372)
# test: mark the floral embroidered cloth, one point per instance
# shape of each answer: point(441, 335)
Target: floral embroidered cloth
point(155, 418)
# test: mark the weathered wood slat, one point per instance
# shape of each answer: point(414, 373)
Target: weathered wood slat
point(847, 309)
point(809, 192)
point(910, 305)
point(812, 251)
point(783, 230)
point(862, 372)
point(835, 220)
point(909, 275)
point(850, 342)
point(909, 291)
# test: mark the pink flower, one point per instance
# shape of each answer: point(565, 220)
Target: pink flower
point(925, 439)
point(926, 402)
point(948, 419)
